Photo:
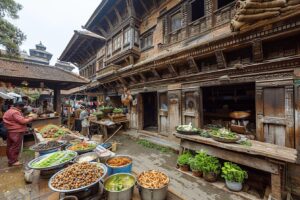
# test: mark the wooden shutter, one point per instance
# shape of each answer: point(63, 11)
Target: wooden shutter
point(275, 113)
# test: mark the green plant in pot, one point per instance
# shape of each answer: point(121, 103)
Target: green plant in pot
point(195, 166)
point(234, 176)
point(184, 160)
point(212, 169)
point(197, 163)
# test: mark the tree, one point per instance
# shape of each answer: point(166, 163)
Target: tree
point(11, 37)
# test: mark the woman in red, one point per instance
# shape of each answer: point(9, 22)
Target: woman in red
point(15, 123)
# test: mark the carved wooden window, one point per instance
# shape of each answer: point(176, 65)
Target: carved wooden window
point(147, 39)
point(127, 36)
point(136, 36)
point(109, 48)
point(117, 42)
point(198, 10)
point(223, 3)
point(176, 21)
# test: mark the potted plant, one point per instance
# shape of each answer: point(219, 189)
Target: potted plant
point(184, 160)
point(234, 176)
point(197, 164)
point(212, 169)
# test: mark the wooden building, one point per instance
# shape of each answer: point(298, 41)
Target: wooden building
point(196, 61)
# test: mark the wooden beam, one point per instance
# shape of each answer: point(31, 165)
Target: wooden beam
point(155, 3)
point(193, 64)
point(155, 73)
point(118, 15)
point(257, 50)
point(172, 70)
point(133, 79)
point(221, 62)
point(130, 8)
point(102, 31)
point(123, 81)
point(144, 5)
point(108, 22)
point(143, 76)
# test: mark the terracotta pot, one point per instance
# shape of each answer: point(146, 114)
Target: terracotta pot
point(210, 176)
point(197, 173)
point(184, 168)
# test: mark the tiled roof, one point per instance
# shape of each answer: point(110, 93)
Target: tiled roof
point(16, 70)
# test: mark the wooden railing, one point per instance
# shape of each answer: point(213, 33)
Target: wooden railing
point(225, 14)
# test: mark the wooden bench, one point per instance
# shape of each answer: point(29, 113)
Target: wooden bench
point(262, 156)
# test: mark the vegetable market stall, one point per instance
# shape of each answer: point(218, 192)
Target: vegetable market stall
point(22, 74)
point(262, 156)
point(47, 120)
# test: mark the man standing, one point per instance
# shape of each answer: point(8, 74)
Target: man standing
point(77, 118)
point(45, 108)
point(84, 116)
point(15, 123)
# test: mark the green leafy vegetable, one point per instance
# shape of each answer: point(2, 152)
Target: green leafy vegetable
point(184, 159)
point(233, 173)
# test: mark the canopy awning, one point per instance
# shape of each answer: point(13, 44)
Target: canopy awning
point(5, 96)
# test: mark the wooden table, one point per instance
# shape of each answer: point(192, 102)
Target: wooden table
point(262, 156)
point(104, 126)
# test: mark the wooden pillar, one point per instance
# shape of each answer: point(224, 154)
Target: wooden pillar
point(276, 185)
point(57, 101)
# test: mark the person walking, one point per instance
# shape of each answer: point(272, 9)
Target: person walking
point(15, 123)
point(77, 118)
point(85, 124)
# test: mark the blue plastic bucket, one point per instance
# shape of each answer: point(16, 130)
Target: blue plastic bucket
point(111, 170)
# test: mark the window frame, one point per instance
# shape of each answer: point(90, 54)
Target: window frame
point(178, 12)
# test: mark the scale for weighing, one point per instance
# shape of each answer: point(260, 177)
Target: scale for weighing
point(239, 122)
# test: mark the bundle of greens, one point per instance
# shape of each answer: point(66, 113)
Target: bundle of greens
point(54, 159)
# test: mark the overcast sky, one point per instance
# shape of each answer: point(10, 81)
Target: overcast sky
point(53, 22)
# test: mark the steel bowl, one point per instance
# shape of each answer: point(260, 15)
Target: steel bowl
point(46, 151)
point(153, 194)
point(86, 150)
point(91, 154)
point(51, 167)
point(120, 195)
point(78, 189)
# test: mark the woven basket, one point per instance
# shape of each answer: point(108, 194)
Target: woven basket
point(225, 140)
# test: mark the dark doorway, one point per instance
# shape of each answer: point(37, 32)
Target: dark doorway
point(150, 111)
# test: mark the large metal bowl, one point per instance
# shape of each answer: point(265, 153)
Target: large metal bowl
point(33, 148)
point(86, 150)
point(153, 194)
point(120, 195)
point(51, 167)
point(100, 165)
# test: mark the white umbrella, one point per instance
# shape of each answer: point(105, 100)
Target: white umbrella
point(5, 96)
point(12, 94)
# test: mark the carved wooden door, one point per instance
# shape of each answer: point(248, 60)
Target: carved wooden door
point(163, 122)
point(174, 109)
point(275, 113)
point(191, 106)
point(297, 113)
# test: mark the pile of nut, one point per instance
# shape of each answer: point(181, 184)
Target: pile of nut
point(77, 176)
